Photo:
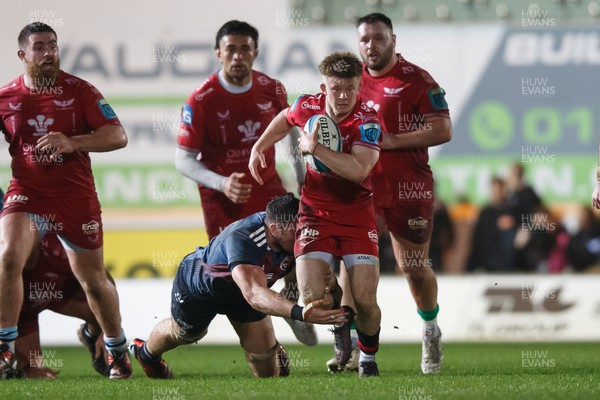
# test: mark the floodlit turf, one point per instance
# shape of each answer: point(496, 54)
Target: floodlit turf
point(472, 371)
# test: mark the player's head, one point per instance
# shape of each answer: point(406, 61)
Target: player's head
point(236, 45)
point(281, 218)
point(341, 82)
point(38, 50)
point(239, 28)
point(376, 40)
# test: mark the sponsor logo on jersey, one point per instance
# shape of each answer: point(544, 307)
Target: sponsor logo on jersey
point(286, 263)
point(374, 236)
point(41, 124)
point(183, 133)
point(106, 109)
point(71, 81)
point(201, 95)
point(249, 130)
point(16, 198)
point(417, 223)
point(370, 132)
point(309, 233)
point(186, 115)
point(177, 297)
point(408, 69)
point(15, 107)
point(392, 92)
point(63, 105)
point(263, 80)
point(259, 236)
point(365, 117)
point(307, 236)
point(223, 115)
point(91, 228)
point(373, 105)
point(306, 104)
point(265, 106)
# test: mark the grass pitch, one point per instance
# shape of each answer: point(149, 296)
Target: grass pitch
point(472, 371)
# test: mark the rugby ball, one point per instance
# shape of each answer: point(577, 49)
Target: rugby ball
point(329, 136)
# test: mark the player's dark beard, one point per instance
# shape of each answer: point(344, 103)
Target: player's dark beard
point(386, 56)
point(44, 78)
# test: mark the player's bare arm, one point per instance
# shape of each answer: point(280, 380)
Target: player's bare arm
point(105, 138)
point(438, 131)
point(277, 130)
point(253, 284)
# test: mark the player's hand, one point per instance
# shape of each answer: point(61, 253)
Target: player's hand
point(41, 373)
point(257, 158)
point(235, 190)
point(54, 143)
point(596, 196)
point(308, 141)
point(316, 312)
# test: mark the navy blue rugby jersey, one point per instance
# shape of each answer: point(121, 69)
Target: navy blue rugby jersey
point(242, 242)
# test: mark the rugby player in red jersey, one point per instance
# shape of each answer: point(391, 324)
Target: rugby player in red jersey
point(220, 122)
point(52, 120)
point(337, 218)
point(414, 116)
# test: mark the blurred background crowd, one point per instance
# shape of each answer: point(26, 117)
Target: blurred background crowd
point(514, 231)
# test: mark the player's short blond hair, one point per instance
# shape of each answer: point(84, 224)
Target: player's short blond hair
point(341, 64)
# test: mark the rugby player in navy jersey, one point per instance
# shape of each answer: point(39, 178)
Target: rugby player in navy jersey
point(232, 276)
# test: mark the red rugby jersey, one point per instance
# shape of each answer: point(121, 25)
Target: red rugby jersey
point(403, 98)
point(73, 107)
point(223, 127)
point(343, 199)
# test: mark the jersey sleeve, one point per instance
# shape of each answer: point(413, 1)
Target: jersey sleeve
point(96, 110)
point(191, 128)
point(295, 114)
point(368, 134)
point(241, 249)
point(431, 100)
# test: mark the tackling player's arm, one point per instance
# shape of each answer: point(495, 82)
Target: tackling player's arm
point(277, 130)
point(253, 283)
point(437, 130)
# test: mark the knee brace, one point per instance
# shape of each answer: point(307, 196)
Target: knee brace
point(261, 357)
